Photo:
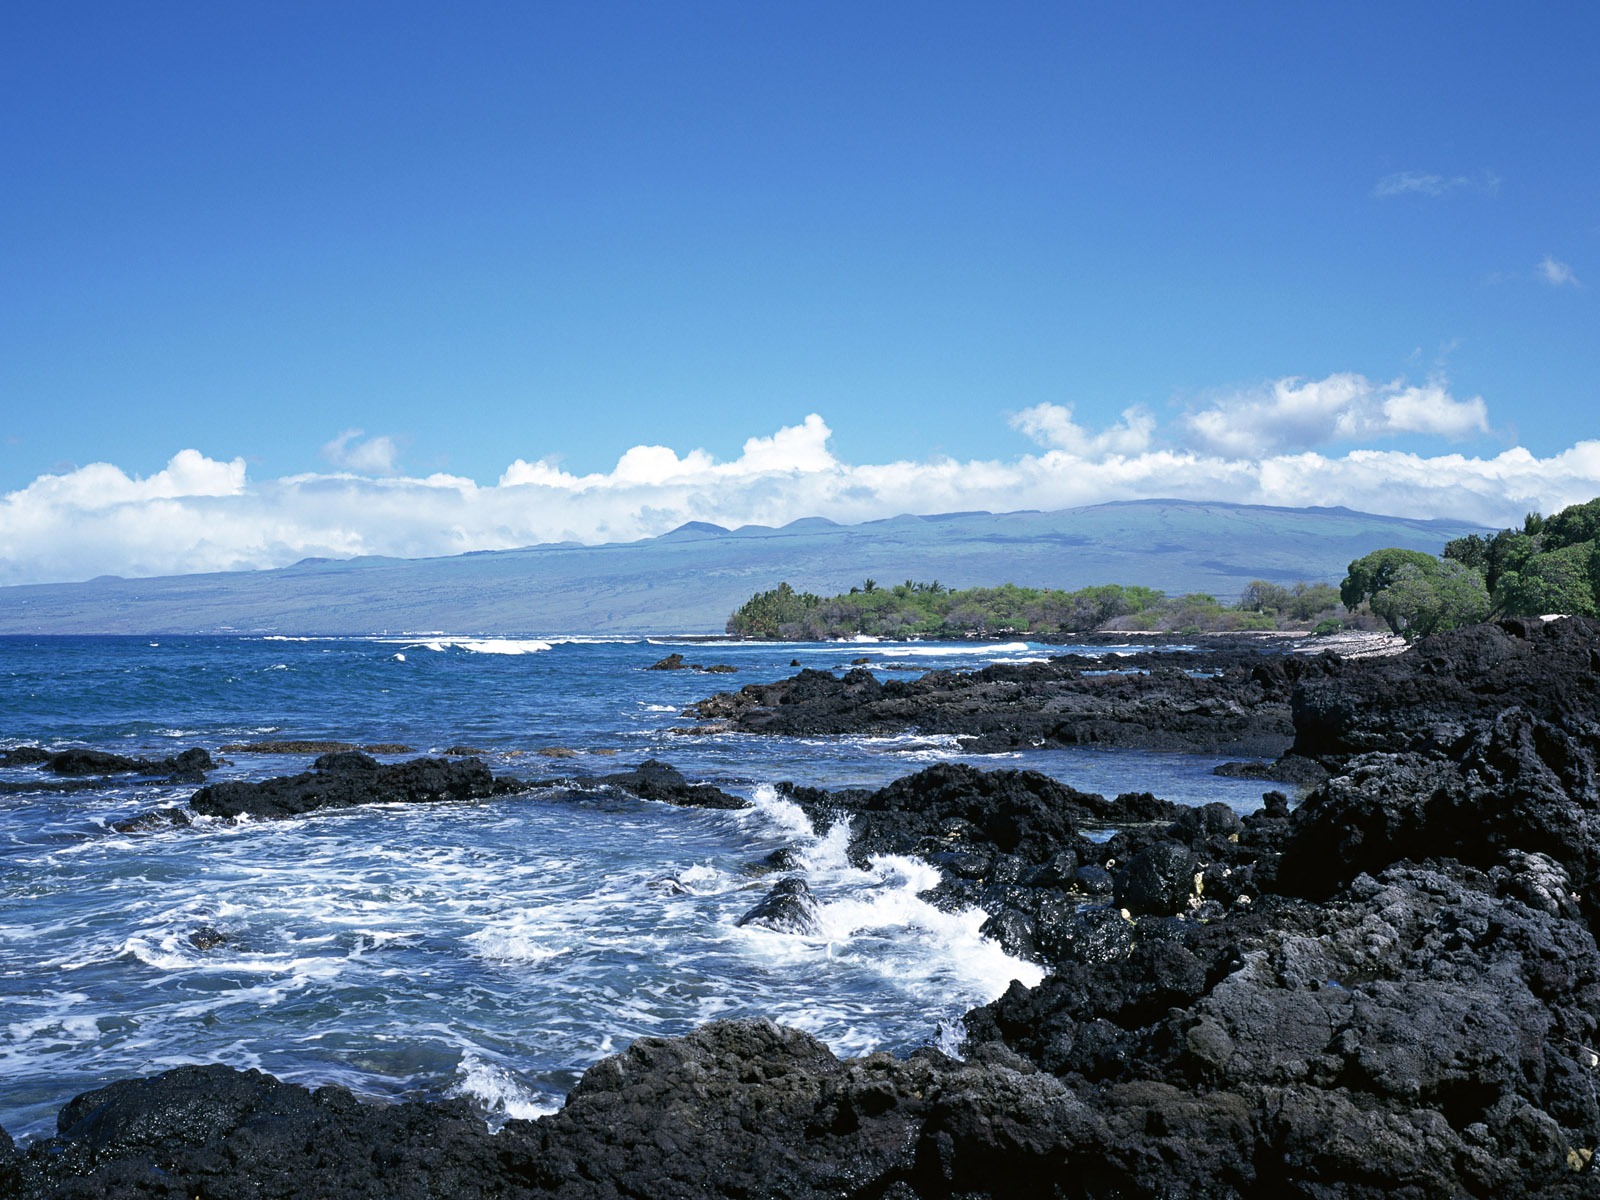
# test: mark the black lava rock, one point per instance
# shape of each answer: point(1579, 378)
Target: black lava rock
point(789, 907)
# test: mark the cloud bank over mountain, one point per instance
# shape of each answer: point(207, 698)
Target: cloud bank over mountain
point(1290, 442)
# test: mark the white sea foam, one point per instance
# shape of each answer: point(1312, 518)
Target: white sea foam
point(977, 650)
point(502, 1096)
point(767, 805)
point(485, 645)
point(703, 879)
point(514, 942)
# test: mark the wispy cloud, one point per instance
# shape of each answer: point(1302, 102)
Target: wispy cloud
point(352, 451)
point(1269, 445)
point(1425, 183)
point(1557, 273)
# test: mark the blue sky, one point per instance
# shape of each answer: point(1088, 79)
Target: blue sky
point(288, 279)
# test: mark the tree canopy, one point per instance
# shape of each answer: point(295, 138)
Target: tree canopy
point(921, 610)
point(1550, 565)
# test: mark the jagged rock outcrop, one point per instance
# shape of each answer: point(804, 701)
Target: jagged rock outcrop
point(1393, 990)
point(345, 778)
point(1219, 702)
point(81, 769)
point(656, 780)
point(790, 907)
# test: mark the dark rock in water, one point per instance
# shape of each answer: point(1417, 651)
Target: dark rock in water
point(1014, 930)
point(215, 1131)
point(345, 778)
point(1393, 990)
point(676, 662)
point(1158, 879)
point(655, 780)
point(346, 761)
point(311, 747)
point(207, 938)
point(782, 859)
point(1291, 768)
point(188, 767)
point(789, 907)
point(1235, 702)
point(157, 818)
point(955, 808)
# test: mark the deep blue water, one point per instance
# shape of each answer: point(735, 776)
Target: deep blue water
point(490, 950)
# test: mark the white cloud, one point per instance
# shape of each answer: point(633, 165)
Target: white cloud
point(102, 486)
point(374, 456)
point(1052, 425)
point(802, 447)
point(200, 514)
point(1424, 183)
point(1290, 415)
point(1557, 273)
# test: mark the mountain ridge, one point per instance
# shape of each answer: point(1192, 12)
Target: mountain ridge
point(689, 579)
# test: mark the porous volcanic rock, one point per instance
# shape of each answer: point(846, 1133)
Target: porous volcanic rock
point(1392, 991)
point(345, 778)
point(1215, 702)
point(790, 907)
point(656, 780)
point(80, 769)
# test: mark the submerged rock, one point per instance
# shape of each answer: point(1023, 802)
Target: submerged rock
point(207, 938)
point(656, 780)
point(790, 907)
point(189, 766)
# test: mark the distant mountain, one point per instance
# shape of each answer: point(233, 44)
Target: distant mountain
point(689, 580)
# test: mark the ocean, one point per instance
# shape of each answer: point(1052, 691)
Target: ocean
point(489, 950)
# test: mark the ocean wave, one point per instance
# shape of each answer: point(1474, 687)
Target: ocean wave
point(502, 1097)
point(975, 650)
point(484, 645)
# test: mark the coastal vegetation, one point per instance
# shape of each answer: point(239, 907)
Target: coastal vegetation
point(1550, 565)
point(931, 610)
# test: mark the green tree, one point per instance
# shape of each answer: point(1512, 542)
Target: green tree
point(1423, 598)
point(781, 612)
point(1309, 600)
point(1496, 555)
point(1573, 525)
point(1559, 581)
point(1261, 596)
point(1375, 572)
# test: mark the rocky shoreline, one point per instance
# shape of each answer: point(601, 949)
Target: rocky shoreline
point(1219, 701)
point(1392, 990)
